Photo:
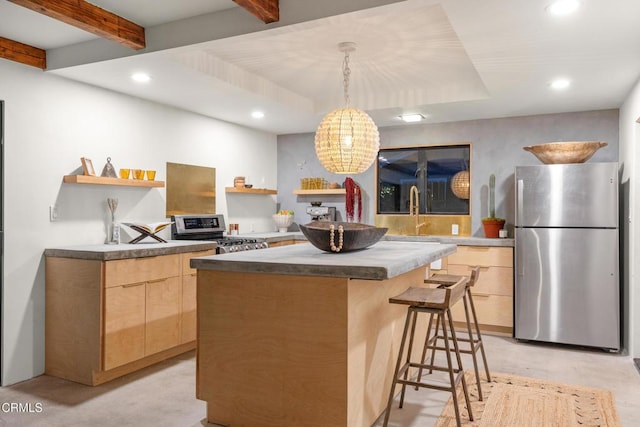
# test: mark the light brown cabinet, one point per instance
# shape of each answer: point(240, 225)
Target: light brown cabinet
point(286, 243)
point(188, 311)
point(105, 319)
point(493, 293)
point(124, 324)
point(162, 314)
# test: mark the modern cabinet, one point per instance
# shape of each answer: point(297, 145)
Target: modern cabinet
point(493, 292)
point(105, 319)
point(124, 324)
point(286, 243)
point(188, 311)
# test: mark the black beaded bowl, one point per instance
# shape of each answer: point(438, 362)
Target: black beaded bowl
point(355, 236)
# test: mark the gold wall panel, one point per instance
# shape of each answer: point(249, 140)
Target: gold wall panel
point(434, 225)
point(190, 189)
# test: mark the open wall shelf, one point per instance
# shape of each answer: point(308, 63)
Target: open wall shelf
point(326, 191)
point(100, 180)
point(250, 190)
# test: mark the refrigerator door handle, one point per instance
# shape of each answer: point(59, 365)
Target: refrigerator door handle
point(520, 244)
point(520, 202)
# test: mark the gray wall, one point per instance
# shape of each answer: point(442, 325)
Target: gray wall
point(496, 147)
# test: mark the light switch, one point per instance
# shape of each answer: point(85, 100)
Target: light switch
point(53, 213)
point(454, 229)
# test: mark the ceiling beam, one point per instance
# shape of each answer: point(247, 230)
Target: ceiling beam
point(88, 17)
point(23, 53)
point(267, 11)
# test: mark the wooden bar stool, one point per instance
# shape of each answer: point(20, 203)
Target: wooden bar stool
point(475, 341)
point(436, 301)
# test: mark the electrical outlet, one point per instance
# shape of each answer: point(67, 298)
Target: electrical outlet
point(53, 213)
point(454, 229)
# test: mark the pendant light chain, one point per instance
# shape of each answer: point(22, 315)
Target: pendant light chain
point(346, 73)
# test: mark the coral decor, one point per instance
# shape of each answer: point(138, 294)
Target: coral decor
point(354, 194)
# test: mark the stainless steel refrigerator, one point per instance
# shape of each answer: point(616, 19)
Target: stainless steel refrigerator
point(567, 287)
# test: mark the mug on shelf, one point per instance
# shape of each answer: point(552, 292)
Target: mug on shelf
point(151, 175)
point(124, 173)
point(138, 174)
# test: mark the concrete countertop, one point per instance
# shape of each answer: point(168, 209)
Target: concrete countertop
point(126, 250)
point(273, 237)
point(456, 240)
point(381, 261)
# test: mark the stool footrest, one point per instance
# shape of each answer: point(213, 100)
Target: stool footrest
point(433, 386)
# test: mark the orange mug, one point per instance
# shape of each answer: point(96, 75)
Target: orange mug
point(138, 173)
point(151, 175)
point(124, 173)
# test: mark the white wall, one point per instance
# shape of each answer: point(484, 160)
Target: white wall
point(630, 159)
point(50, 123)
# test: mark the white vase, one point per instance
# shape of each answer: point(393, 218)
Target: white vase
point(282, 222)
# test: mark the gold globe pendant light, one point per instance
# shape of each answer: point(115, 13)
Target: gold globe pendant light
point(460, 184)
point(347, 140)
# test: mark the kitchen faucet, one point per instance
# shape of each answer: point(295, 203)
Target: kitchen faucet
point(414, 206)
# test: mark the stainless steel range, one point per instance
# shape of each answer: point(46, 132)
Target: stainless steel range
point(211, 227)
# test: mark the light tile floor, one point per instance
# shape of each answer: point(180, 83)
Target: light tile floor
point(164, 394)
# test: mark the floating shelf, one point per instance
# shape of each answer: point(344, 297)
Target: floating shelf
point(101, 180)
point(249, 190)
point(326, 191)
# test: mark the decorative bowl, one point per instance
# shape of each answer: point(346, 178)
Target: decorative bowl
point(282, 222)
point(552, 153)
point(355, 236)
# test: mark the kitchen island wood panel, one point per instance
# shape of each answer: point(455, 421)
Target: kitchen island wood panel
point(302, 343)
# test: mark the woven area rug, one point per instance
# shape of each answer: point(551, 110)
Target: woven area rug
point(510, 401)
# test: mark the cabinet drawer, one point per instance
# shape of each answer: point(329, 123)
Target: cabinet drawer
point(493, 310)
point(162, 314)
point(188, 321)
point(134, 270)
point(186, 259)
point(124, 319)
point(492, 280)
point(483, 256)
point(281, 243)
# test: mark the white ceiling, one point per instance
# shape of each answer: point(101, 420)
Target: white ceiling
point(450, 60)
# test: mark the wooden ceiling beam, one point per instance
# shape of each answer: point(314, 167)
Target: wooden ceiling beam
point(88, 17)
point(266, 10)
point(23, 53)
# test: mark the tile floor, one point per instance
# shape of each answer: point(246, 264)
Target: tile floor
point(164, 394)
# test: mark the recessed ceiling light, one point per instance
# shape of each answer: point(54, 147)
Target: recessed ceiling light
point(411, 118)
point(141, 77)
point(563, 7)
point(257, 114)
point(560, 84)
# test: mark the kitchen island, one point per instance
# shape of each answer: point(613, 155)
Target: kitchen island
point(293, 336)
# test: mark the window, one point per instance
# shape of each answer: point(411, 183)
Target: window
point(431, 170)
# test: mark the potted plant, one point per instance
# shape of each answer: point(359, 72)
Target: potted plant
point(492, 224)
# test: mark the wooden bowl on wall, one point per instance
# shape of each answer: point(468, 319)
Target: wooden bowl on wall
point(551, 153)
